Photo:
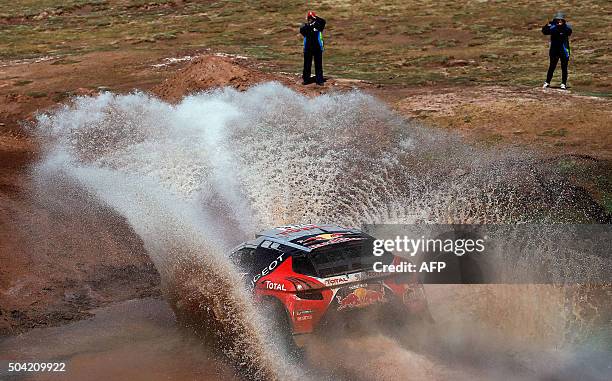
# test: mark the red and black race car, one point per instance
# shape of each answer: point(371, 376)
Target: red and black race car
point(309, 277)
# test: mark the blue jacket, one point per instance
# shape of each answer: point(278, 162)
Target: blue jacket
point(559, 38)
point(313, 34)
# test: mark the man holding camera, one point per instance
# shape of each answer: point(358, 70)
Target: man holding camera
point(559, 31)
point(312, 31)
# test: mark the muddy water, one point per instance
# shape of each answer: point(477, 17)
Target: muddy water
point(141, 340)
point(481, 332)
point(134, 340)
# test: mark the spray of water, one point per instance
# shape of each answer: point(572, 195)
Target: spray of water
point(195, 178)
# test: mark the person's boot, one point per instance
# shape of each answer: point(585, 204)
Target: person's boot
point(563, 87)
point(545, 85)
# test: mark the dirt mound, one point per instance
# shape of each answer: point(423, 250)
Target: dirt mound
point(59, 262)
point(210, 71)
point(206, 72)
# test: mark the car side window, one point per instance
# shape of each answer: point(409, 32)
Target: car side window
point(245, 259)
point(265, 257)
point(303, 265)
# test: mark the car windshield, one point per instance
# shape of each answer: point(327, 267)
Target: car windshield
point(340, 258)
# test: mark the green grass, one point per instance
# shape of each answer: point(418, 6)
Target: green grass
point(389, 41)
point(23, 82)
point(64, 61)
point(36, 94)
point(26, 8)
point(607, 202)
point(567, 166)
point(554, 132)
point(592, 175)
point(490, 140)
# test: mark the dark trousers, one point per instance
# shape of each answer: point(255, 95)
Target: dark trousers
point(318, 59)
point(553, 65)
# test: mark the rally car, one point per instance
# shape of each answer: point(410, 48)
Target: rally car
point(311, 277)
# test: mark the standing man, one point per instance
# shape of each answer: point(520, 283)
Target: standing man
point(313, 47)
point(559, 31)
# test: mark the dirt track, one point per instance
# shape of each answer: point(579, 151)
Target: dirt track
point(55, 267)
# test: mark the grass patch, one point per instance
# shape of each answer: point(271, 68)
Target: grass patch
point(61, 96)
point(36, 94)
point(606, 202)
point(567, 166)
point(601, 94)
point(492, 139)
point(554, 132)
point(23, 82)
point(164, 36)
point(64, 61)
point(363, 40)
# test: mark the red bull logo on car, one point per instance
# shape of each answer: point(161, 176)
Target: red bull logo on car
point(321, 237)
point(325, 239)
point(360, 297)
point(335, 240)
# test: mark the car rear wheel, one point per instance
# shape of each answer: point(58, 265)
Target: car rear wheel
point(280, 330)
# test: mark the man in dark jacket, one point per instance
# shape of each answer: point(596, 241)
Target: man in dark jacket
point(559, 31)
point(313, 47)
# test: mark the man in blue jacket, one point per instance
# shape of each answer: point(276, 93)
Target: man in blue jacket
point(559, 31)
point(313, 47)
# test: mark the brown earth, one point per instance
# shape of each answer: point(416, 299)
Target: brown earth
point(55, 265)
point(553, 122)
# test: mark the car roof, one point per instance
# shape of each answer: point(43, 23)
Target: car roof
point(292, 232)
point(288, 234)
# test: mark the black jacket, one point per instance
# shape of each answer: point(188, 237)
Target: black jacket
point(559, 38)
point(313, 34)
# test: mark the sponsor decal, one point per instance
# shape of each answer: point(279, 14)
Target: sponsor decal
point(304, 312)
point(361, 297)
point(366, 275)
point(336, 281)
point(335, 240)
point(302, 284)
point(320, 237)
point(268, 269)
point(274, 286)
point(289, 229)
point(304, 317)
